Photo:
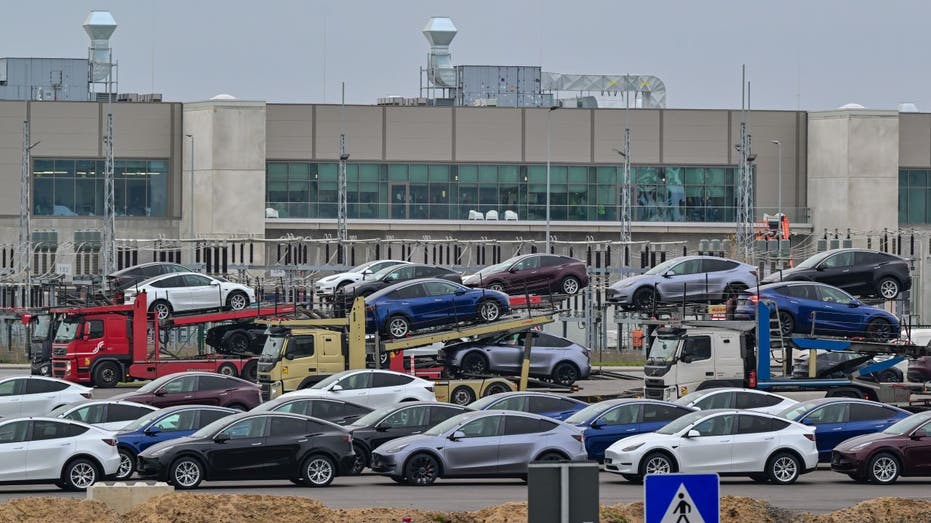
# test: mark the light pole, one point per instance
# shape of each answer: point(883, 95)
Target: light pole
point(779, 146)
point(548, 139)
point(193, 244)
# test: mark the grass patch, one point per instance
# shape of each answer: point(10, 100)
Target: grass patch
point(618, 360)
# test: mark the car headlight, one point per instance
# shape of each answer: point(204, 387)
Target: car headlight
point(158, 452)
point(396, 448)
point(632, 447)
point(859, 446)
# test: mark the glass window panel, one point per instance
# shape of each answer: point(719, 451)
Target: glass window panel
point(646, 175)
point(558, 175)
point(397, 172)
point(536, 174)
point(419, 200)
point(368, 172)
point(277, 191)
point(277, 172)
point(64, 197)
point(468, 173)
point(439, 173)
point(418, 173)
point(439, 200)
point(298, 191)
point(299, 171)
point(488, 174)
point(119, 196)
point(916, 206)
point(927, 207)
point(916, 178)
point(468, 200)
point(352, 173)
point(578, 174)
point(508, 174)
point(86, 169)
point(86, 202)
point(903, 206)
point(131, 168)
point(694, 175)
point(64, 168)
point(328, 172)
point(903, 178)
point(135, 197)
point(43, 196)
point(605, 175)
point(488, 197)
point(157, 190)
point(43, 167)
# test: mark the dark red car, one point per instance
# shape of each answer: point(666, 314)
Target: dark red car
point(197, 388)
point(532, 273)
point(903, 449)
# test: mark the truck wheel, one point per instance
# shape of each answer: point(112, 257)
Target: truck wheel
point(250, 372)
point(237, 301)
point(237, 342)
point(227, 369)
point(495, 388)
point(888, 288)
point(462, 395)
point(107, 375)
point(161, 309)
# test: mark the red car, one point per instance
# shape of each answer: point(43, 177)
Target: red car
point(197, 388)
point(903, 449)
point(532, 273)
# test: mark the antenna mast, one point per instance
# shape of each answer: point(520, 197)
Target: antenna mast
point(342, 230)
point(745, 175)
point(25, 224)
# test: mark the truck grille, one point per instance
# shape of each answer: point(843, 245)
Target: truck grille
point(266, 389)
point(652, 394)
point(61, 351)
point(58, 368)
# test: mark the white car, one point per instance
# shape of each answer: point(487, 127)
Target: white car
point(104, 414)
point(370, 387)
point(736, 398)
point(67, 453)
point(189, 291)
point(23, 396)
point(328, 285)
point(726, 442)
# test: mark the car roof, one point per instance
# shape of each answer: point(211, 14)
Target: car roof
point(817, 402)
point(176, 408)
point(533, 393)
point(57, 420)
point(85, 403)
point(247, 415)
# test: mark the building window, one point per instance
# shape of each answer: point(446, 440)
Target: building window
point(72, 187)
point(914, 196)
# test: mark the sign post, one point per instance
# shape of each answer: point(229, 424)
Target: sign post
point(681, 498)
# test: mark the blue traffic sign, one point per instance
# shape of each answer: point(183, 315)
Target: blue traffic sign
point(681, 498)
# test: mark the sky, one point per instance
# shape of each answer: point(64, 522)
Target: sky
point(807, 54)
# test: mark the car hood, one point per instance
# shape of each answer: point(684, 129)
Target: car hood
point(341, 276)
point(127, 396)
point(416, 439)
point(632, 280)
point(786, 273)
point(166, 444)
point(866, 438)
point(649, 437)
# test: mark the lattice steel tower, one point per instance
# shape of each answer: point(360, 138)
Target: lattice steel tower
point(745, 217)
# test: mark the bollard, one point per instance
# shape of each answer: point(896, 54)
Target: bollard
point(123, 496)
point(562, 492)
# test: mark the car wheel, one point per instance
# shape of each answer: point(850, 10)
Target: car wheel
point(421, 470)
point(237, 301)
point(237, 343)
point(495, 388)
point(161, 309)
point(888, 288)
point(565, 373)
point(760, 478)
point(361, 461)
point(733, 290)
point(883, 469)
point(79, 474)
point(496, 286)
point(318, 471)
point(489, 310)
point(569, 285)
point(398, 326)
point(107, 375)
point(127, 464)
point(879, 329)
point(474, 363)
point(643, 298)
point(342, 284)
point(227, 369)
point(783, 468)
point(657, 463)
point(889, 376)
point(462, 395)
point(633, 478)
point(186, 473)
point(250, 372)
point(551, 456)
point(786, 323)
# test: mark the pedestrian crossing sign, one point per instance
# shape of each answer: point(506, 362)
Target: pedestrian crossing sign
point(681, 498)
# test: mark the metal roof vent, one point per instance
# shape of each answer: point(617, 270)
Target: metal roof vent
point(99, 26)
point(440, 31)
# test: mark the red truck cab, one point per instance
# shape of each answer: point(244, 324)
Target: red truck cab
point(92, 342)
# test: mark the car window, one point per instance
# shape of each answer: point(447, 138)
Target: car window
point(697, 348)
point(405, 272)
point(864, 258)
point(12, 387)
point(687, 267)
point(833, 413)
point(439, 288)
point(300, 347)
point(546, 340)
point(409, 292)
point(753, 400)
point(438, 414)
point(286, 426)
point(296, 407)
point(39, 386)
point(717, 426)
point(512, 403)
point(180, 385)
point(841, 259)
point(90, 414)
point(247, 428)
point(623, 415)
point(409, 417)
point(178, 421)
point(424, 271)
point(169, 283)
point(325, 409)
point(14, 432)
point(804, 292)
point(153, 270)
point(750, 424)
point(531, 262)
point(95, 329)
point(483, 427)
point(720, 400)
point(863, 412)
point(213, 383)
point(514, 425)
point(196, 280)
point(540, 404)
point(655, 412)
point(206, 418)
point(118, 412)
point(923, 431)
point(42, 430)
point(553, 261)
point(832, 295)
point(715, 265)
point(384, 379)
point(359, 380)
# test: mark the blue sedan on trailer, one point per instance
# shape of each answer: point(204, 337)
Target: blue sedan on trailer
point(397, 310)
point(542, 403)
point(608, 421)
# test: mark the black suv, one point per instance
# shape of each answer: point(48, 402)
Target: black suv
point(397, 274)
point(860, 272)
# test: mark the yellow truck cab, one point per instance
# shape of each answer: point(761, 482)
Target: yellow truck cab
point(297, 358)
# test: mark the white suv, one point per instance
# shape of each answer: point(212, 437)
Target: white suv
point(327, 286)
point(37, 395)
point(370, 387)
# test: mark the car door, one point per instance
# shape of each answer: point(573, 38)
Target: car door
point(918, 451)
point(754, 441)
point(442, 307)
point(204, 292)
point(525, 276)
point(800, 301)
point(399, 274)
point(507, 352)
point(836, 270)
point(179, 391)
point(49, 446)
point(683, 279)
point(355, 388)
point(282, 446)
point(388, 388)
point(402, 422)
point(837, 315)
point(212, 390)
point(243, 455)
point(11, 397)
point(476, 453)
point(518, 441)
point(544, 352)
point(13, 450)
point(174, 290)
point(861, 275)
point(714, 277)
point(616, 423)
point(864, 418)
point(552, 269)
point(40, 396)
point(177, 425)
point(830, 426)
point(710, 451)
point(655, 416)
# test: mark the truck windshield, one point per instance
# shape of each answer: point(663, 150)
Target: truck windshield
point(67, 331)
point(663, 351)
point(41, 330)
point(271, 351)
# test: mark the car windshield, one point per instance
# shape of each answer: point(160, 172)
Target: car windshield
point(663, 351)
point(908, 424)
point(324, 383)
point(360, 268)
point(67, 330)
point(795, 412)
point(690, 398)
point(139, 423)
point(586, 414)
point(663, 267)
point(445, 426)
point(41, 328)
point(680, 423)
point(498, 267)
point(814, 260)
point(272, 348)
point(372, 417)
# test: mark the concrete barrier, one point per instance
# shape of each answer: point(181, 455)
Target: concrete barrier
point(123, 496)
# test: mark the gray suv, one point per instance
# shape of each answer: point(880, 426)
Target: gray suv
point(694, 278)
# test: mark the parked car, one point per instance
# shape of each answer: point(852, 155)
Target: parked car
point(726, 442)
point(130, 276)
point(387, 423)
point(189, 291)
point(391, 275)
point(369, 387)
point(736, 398)
point(162, 425)
point(70, 454)
point(840, 364)
point(608, 421)
point(919, 369)
point(197, 388)
point(692, 278)
point(804, 307)
point(253, 446)
point(861, 272)
point(104, 414)
point(337, 411)
point(881, 457)
point(478, 444)
point(551, 356)
point(839, 419)
point(328, 285)
point(542, 403)
point(532, 273)
point(405, 307)
point(23, 396)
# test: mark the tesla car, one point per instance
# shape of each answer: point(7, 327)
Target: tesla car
point(37, 395)
point(532, 273)
point(70, 454)
point(197, 388)
point(478, 444)
point(395, 274)
point(804, 307)
point(608, 421)
point(388, 423)
point(542, 403)
point(860, 272)
point(253, 446)
point(104, 414)
point(130, 276)
point(327, 286)
point(550, 356)
point(189, 291)
point(726, 442)
point(369, 387)
point(839, 419)
point(693, 278)
point(405, 307)
point(899, 450)
point(162, 425)
point(736, 398)
point(337, 411)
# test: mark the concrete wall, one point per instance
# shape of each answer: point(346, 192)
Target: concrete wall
point(915, 140)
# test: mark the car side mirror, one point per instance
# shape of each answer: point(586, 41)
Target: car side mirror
point(336, 387)
point(383, 427)
point(806, 421)
point(458, 435)
point(85, 337)
point(819, 268)
point(693, 434)
point(289, 355)
point(853, 304)
point(667, 274)
point(460, 292)
point(221, 438)
point(215, 283)
point(153, 430)
point(159, 392)
point(595, 424)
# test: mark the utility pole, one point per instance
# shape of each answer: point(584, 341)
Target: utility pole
point(25, 220)
point(342, 229)
point(109, 201)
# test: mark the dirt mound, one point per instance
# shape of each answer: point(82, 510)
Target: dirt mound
point(879, 510)
point(384, 515)
point(52, 510)
point(506, 513)
point(203, 508)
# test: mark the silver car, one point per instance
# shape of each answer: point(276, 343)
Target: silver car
point(484, 444)
point(550, 357)
point(694, 278)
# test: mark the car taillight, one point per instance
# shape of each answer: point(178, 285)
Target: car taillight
point(751, 379)
point(110, 441)
point(754, 298)
point(429, 389)
point(578, 437)
point(86, 394)
point(810, 436)
point(348, 438)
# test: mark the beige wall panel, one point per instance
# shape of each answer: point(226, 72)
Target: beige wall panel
point(363, 128)
point(486, 134)
point(695, 137)
point(914, 140)
point(12, 115)
point(419, 133)
point(141, 130)
point(571, 135)
point(66, 128)
point(239, 138)
point(289, 131)
point(644, 135)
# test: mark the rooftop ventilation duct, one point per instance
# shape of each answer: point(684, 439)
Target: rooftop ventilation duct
point(440, 31)
point(99, 26)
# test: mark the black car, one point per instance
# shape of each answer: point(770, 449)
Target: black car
point(388, 423)
point(860, 272)
point(130, 276)
point(253, 446)
point(336, 411)
point(395, 274)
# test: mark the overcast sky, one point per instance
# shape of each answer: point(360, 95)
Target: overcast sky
point(813, 54)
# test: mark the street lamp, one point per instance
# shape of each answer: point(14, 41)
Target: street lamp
point(779, 145)
point(193, 244)
point(548, 139)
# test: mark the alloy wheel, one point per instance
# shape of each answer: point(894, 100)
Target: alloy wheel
point(570, 286)
point(785, 469)
point(238, 302)
point(162, 311)
point(82, 475)
point(398, 327)
point(885, 469)
point(187, 474)
point(489, 311)
point(888, 289)
point(422, 470)
point(319, 471)
point(126, 466)
point(496, 287)
point(658, 465)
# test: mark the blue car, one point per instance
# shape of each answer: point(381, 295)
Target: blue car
point(542, 403)
point(162, 425)
point(832, 311)
point(839, 419)
point(397, 310)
